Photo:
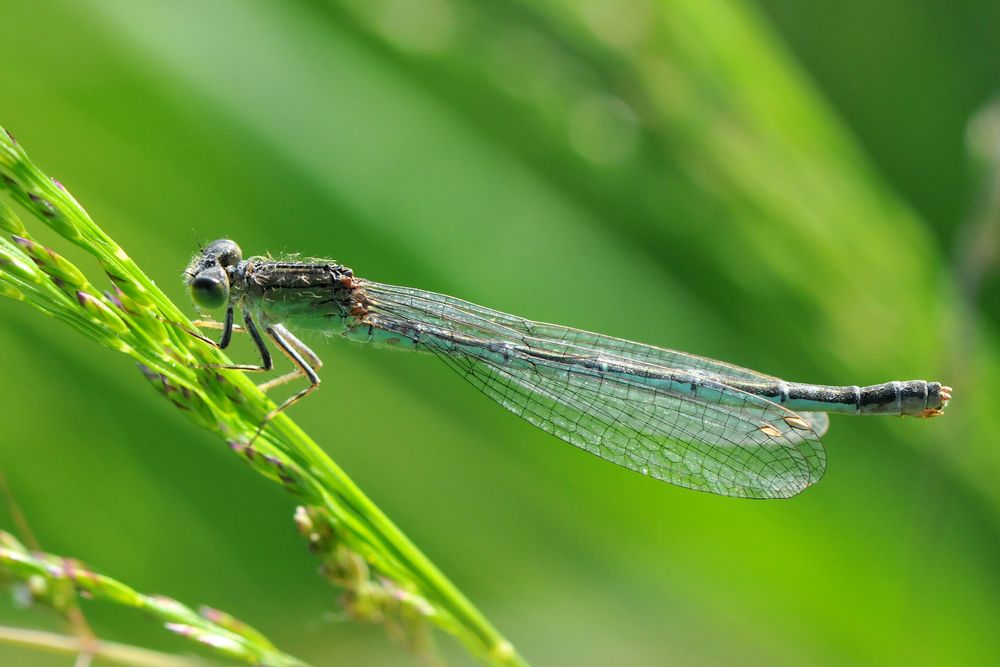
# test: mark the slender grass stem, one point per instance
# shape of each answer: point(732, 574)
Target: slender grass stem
point(110, 652)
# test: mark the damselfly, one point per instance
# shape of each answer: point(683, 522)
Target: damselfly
point(684, 419)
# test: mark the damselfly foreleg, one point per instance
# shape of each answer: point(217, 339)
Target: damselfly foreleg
point(228, 327)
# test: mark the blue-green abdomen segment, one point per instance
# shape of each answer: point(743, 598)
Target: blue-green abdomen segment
point(917, 398)
point(913, 397)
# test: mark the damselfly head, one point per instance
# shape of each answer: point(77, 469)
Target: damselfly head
point(208, 273)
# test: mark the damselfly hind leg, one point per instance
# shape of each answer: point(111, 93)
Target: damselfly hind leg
point(296, 351)
point(310, 357)
point(306, 361)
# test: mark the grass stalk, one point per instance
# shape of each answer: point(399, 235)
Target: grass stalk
point(112, 653)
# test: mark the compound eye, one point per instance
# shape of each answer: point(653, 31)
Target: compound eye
point(226, 252)
point(210, 289)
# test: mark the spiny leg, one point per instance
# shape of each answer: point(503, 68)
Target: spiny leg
point(311, 358)
point(305, 360)
point(266, 363)
point(285, 345)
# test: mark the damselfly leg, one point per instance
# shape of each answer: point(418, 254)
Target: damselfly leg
point(306, 361)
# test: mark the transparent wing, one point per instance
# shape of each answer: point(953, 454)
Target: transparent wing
point(734, 444)
point(739, 445)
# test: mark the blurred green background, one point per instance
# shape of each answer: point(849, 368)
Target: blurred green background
point(783, 185)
